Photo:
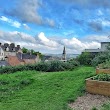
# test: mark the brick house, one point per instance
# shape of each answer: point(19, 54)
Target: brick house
point(22, 59)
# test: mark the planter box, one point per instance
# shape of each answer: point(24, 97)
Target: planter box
point(98, 87)
point(98, 70)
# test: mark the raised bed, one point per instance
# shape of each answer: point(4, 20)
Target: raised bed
point(98, 87)
point(99, 70)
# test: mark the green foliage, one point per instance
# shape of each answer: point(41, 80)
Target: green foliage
point(105, 65)
point(102, 77)
point(106, 106)
point(31, 90)
point(101, 57)
point(51, 66)
point(85, 58)
point(25, 50)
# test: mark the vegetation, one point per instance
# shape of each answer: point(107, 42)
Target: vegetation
point(106, 106)
point(85, 58)
point(51, 66)
point(105, 65)
point(102, 77)
point(25, 50)
point(31, 90)
point(101, 57)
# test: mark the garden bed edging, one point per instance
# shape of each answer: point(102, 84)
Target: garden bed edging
point(98, 87)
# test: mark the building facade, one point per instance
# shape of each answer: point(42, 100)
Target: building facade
point(8, 50)
point(102, 49)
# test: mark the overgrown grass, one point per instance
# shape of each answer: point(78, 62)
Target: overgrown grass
point(31, 90)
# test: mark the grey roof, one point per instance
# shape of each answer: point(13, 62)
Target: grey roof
point(4, 63)
point(11, 48)
point(92, 50)
point(22, 56)
point(105, 42)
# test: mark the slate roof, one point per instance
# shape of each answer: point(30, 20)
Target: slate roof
point(4, 63)
point(22, 56)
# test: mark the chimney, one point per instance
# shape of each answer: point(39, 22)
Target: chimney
point(18, 46)
point(6, 45)
point(12, 45)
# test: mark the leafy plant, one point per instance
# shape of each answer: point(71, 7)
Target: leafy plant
point(102, 77)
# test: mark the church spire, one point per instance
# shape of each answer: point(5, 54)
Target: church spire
point(64, 54)
point(64, 50)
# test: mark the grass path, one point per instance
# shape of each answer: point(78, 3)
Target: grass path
point(31, 90)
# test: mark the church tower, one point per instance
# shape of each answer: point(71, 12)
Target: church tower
point(64, 54)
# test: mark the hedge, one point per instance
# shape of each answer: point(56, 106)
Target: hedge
point(50, 66)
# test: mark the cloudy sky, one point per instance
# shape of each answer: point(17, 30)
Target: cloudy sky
point(48, 25)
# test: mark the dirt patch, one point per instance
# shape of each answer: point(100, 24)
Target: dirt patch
point(88, 101)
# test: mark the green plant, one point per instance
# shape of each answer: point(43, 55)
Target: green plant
point(105, 65)
point(85, 58)
point(102, 77)
point(51, 66)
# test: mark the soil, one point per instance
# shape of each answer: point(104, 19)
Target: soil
point(89, 101)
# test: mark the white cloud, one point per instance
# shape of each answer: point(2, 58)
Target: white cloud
point(3, 18)
point(28, 11)
point(10, 21)
point(47, 45)
point(16, 24)
point(106, 23)
point(26, 27)
point(79, 45)
point(47, 42)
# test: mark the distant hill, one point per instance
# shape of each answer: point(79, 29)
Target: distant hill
point(69, 56)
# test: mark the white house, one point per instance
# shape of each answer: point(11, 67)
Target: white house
point(6, 50)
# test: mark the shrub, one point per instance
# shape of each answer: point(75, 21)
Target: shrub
point(105, 65)
point(49, 66)
point(100, 58)
point(56, 66)
point(85, 58)
point(102, 77)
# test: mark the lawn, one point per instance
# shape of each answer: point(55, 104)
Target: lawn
point(31, 90)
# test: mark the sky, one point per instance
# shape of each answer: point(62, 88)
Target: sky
point(49, 25)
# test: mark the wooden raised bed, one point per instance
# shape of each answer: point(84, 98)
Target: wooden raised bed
point(98, 70)
point(98, 87)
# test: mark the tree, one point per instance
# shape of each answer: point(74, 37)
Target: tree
point(24, 50)
point(85, 58)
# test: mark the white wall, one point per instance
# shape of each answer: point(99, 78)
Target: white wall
point(2, 57)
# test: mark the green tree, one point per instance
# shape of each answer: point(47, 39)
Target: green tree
point(85, 58)
point(24, 50)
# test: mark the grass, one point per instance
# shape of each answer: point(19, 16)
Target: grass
point(31, 90)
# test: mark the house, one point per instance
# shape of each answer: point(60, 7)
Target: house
point(8, 49)
point(102, 49)
point(22, 59)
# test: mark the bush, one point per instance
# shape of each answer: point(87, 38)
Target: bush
point(105, 65)
point(49, 66)
point(85, 58)
point(100, 58)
